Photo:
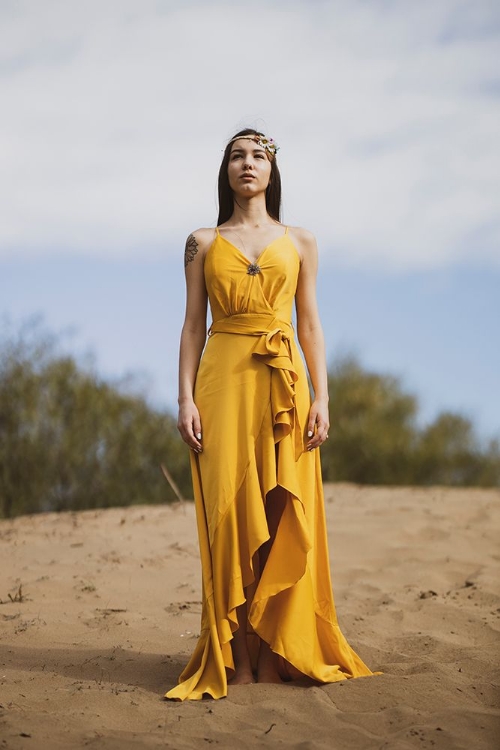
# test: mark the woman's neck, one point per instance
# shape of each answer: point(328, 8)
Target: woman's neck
point(250, 212)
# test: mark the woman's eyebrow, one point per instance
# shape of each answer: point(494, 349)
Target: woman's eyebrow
point(242, 151)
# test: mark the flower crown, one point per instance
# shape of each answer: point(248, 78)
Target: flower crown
point(268, 144)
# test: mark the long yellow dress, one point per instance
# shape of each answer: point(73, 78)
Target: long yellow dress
point(253, 397)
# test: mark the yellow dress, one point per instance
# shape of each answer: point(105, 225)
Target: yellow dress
point(253, 397)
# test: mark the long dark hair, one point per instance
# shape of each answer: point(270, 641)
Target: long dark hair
point(226, 198)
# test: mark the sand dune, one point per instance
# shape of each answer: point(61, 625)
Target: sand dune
point(104, 608)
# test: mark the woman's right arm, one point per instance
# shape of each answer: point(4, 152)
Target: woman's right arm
point(193, 336)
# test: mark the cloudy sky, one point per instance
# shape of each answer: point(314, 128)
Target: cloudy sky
point(114, 117)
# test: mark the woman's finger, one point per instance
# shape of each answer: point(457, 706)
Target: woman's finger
point(197, 427)
point(319, 437)
point(311, 428)
point(187, 434)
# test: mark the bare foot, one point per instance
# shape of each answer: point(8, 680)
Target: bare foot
point(271, 676)
point(242, 677)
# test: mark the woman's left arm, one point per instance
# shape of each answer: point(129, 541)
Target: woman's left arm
point(311, 339)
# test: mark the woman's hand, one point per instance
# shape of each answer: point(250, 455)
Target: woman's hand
point(318, 425)
point(189, 425)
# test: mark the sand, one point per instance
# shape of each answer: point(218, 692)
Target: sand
point(106, 611)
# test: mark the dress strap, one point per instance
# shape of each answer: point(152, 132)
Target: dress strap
point(217, 231)
point(286, 230)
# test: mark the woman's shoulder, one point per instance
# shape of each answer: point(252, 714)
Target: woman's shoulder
point(197, 244)
point(304, 235)
point(304, 240)
point(203, 236)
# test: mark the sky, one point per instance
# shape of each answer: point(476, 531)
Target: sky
point(115, 114)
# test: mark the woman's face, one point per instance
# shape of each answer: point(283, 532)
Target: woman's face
point(249, 168)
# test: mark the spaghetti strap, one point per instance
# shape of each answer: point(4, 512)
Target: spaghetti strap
point(217, 231)
point(286, 230)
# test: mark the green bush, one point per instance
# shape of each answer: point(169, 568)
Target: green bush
point(374, 438)
point(69, 440)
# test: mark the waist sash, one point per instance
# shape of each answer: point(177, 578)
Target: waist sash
point(273, 348)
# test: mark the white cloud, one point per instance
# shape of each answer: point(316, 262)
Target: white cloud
point(114, 114)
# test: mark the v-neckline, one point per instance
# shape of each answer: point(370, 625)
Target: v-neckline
point(256, 261)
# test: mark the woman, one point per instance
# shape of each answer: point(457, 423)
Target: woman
point(246, 413)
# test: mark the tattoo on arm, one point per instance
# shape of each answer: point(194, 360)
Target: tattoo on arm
point(191, 249)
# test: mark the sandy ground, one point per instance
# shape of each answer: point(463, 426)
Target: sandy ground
point(106, 611)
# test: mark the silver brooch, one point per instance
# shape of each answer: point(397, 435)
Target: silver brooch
point(253, 269)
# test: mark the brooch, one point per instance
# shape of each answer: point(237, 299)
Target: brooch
point(253, 269)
